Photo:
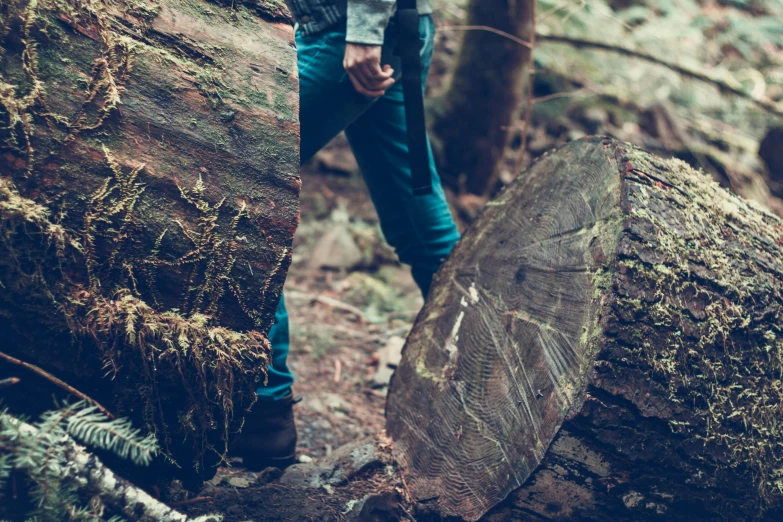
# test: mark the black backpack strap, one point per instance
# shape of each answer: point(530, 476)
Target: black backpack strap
point(409, 49)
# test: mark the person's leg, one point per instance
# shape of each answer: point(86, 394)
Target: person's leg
point(279, 377)
point(420, 228)
point(327, 104)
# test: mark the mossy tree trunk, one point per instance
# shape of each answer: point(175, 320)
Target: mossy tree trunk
point(149, 183)
point(605, 343)
point(485, 92)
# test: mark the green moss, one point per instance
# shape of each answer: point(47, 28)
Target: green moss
point(732, 371)
point(92, 281)
point(20, 104)
point(98, 300)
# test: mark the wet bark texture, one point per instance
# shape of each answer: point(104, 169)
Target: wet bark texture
point(603, 344)
point(485, 92)
point(149, 192)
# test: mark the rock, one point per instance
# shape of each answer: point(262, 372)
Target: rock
point(268, 475)
point(469, 205)
point(337, 157)
point(336, 403)
point(382, 376)
point(575, 134)
point(388, 358)
point(594, 118)
point(337, 250)
point(235, 510)
point(305, 459)
point(343, 464)
point(239, 482)
point(315, 404)
point(383, 507)
point(338, 161)
point(394, 350)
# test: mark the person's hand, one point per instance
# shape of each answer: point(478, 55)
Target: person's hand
point(363, 65)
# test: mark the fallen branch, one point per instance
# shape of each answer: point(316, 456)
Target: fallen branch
point(94, 478)
point(57, 382)
point(488, 29)
point(328, 301)
point(765, 104)
point(762, 103)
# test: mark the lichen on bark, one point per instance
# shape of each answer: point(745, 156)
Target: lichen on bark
point(698, 281)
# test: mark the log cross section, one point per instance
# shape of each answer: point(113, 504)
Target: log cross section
point(500, 353)
point(605, 342)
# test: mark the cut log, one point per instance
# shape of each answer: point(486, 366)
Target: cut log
point(149, 183)
point(605, 343)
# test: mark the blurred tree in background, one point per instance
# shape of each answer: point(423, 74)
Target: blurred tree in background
point(490, 70)
point(601, 68)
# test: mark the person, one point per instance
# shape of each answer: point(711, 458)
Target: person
point(348, 81)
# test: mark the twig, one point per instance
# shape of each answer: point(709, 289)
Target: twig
point(529, 105)
point(765, 104)
point(409, 496)
point(54, 380)
point(334, 303)
point(581, 7)
point(338, 370)
point(559, 7)
point(407, 513)
point(328, 301)
point(190, 501)
point(556, 95)
point(7, 383)
point(488, 29)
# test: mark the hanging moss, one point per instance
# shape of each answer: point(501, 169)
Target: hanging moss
point(47, 270)
point(85, 270)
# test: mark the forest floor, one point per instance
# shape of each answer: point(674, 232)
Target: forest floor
point(349, 301)
point(351, 304)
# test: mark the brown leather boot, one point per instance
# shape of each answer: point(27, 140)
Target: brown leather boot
point(268, 438)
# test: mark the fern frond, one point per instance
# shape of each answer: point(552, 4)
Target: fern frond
point(5, 469)
point(41, 451)
point(93, 428)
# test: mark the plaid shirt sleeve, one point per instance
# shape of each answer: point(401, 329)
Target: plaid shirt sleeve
point(367, 20)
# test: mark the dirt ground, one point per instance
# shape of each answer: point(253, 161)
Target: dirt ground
point(342, 315)
point(349, 300)
point(334, 341)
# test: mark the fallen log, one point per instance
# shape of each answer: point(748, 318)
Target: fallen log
point(148, 198)
point(605, 343)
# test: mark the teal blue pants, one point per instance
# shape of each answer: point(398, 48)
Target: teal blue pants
point(420, 228)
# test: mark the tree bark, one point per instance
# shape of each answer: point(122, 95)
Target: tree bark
point(149, 184)
point(485, 92)
point(604, 343)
